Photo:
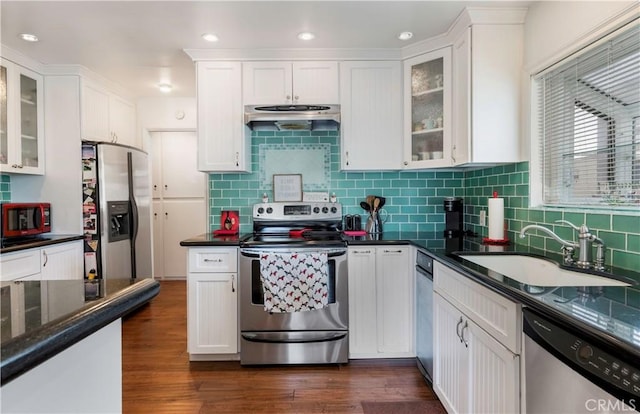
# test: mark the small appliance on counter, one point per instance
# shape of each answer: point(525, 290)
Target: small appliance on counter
point(24, 222)
point(454, 221)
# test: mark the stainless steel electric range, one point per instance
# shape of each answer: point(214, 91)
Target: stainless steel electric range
point(306, 336)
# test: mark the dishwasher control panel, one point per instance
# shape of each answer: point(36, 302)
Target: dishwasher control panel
point(610, 372)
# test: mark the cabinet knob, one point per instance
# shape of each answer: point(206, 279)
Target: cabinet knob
point(155, 186)
point(406, 163)
point(295, 98)
point(166, 187)
point(288, 97)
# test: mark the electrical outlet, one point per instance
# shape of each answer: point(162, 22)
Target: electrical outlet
point(483, 218)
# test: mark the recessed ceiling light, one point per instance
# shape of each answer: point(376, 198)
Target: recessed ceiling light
point(405, 35)
point(28, 37)
point(165, 87)
point(306, 36)
point(210, 37)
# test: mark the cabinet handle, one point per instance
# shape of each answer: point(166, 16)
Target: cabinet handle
point(212, 260)
point(392, 251)
point(46, 258)
point(347, 155)
point(464, 341)
point(361, 251)
point(237, 159)
point(457, 329)
point(233, 279)
point(453, 153)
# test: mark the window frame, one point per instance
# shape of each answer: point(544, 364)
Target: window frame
point(536, 153)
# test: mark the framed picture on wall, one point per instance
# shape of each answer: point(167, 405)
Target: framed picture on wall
point(287, 187)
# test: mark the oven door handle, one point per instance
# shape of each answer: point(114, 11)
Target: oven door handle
point(294, 337)
point(256, 253)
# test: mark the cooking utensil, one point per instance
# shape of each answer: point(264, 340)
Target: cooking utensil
point(382, 201)
point(365, 206)
point(376, 204)
point(370, 199)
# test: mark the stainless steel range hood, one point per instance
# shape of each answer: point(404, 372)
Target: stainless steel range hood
point(292, 117)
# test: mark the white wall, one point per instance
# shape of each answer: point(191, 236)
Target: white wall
point(62, 183)
point(165, 114)
point(553, 28)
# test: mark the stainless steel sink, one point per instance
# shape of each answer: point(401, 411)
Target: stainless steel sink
point(537, 271)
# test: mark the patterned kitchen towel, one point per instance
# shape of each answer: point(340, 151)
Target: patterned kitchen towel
point(294, 282)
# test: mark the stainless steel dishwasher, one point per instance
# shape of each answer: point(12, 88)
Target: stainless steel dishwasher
point(568, 372)
point(424, 314)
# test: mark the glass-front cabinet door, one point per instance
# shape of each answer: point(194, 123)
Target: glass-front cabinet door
point(427, 88)
point(21, 120)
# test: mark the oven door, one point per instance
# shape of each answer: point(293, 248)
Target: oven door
point(253, 316)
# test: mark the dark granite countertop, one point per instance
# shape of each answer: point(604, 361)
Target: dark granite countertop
point(55, 315)
point(208, 239)
point(9, 245)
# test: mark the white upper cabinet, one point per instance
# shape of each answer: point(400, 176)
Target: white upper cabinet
point(487, 66)
point(106, 116)
point(427, 106)
point(371, 115)
point(277, 82)
point(222, 142)
point(21, 120)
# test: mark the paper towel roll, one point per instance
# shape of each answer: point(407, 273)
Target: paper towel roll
point(496, 218)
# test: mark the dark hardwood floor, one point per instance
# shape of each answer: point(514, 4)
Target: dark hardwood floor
point(158, 377)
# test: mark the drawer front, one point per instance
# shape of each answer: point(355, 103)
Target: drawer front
point(20, 264)
point(497, 315)
point(213, 259)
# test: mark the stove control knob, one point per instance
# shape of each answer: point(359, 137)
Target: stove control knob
point(325, 210)
point(269, 210)
point(334, 210)
point(260, 210)
point(316, 210)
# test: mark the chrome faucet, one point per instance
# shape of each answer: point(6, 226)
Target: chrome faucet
point(586, 240)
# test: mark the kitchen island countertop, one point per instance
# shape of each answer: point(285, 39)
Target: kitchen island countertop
point(63, 319)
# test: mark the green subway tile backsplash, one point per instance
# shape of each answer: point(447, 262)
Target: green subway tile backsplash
point(5, 187)
point(620, 231)
point(413, 198)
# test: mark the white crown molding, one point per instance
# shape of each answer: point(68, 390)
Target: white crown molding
point(86, 75)
point(20, 59)
point(293, 54)
point(501, 15)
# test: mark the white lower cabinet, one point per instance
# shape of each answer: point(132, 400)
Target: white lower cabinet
point(62, 261)
point(473, 371)
point(212, 303)
point(54, 262)
point(381, 297)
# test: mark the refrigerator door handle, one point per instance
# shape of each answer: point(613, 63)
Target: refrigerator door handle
point(134, 214)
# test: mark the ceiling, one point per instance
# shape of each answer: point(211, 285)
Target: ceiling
point(139, 44)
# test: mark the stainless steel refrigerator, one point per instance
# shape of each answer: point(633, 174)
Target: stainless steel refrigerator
point(116, 186)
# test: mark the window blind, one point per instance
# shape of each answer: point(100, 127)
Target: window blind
point(589, 124)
